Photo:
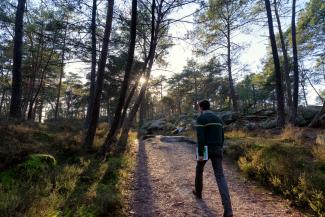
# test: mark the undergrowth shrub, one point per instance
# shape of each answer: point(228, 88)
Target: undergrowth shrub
point(73, 183)
point(295, 171)
point(21, 185)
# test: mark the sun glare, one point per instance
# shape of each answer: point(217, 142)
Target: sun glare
point(142, 80)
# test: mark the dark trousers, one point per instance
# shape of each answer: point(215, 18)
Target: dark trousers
point(216, 159)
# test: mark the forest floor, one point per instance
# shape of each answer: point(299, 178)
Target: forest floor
point(164, 178)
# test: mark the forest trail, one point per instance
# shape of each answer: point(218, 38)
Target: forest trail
point(164, 179)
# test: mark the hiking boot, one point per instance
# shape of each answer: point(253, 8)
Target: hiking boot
point(197, 195)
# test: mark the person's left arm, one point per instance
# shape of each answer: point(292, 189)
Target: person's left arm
point(200, 136)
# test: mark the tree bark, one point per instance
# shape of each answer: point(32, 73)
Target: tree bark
point(278, 77)
point(286, 60)
point(15, 103)
point(295, 65)
point(117, 115)
point(94, 110)
point(93, 63)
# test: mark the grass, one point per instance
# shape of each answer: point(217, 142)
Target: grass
point(285, 163)
point(52, 176)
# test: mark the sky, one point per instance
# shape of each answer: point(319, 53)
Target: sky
point(257, 41)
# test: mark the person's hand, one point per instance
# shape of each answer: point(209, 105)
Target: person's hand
point(200, 158)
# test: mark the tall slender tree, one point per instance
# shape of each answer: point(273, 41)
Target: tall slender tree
point(117, 116)
point(57, 105)
point(285, 58)
point(155, 25)
point(100, 78)
point(93, 62)
point(295, 64)
point(278, 76)
point(15, 104)
point(223, 20)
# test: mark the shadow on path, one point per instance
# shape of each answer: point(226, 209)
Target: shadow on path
point(143, 204)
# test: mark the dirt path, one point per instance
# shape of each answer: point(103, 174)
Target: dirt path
point(164, 179)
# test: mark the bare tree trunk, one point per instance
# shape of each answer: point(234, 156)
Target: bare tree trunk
point(32, 101)
point(196, 90)
point(100, 78)
point(304, 92)
point(15, 104)
point(115, 124)
point(2, 100)
point(278, 77)
point(254, 96)
point(233, 95)
point(57, 105)
point(93, 63)
point(40, 110)
point(286, 61)
point(127, 102)
point(153, 43)
point(303, 84)
point(295, 64)
point(128, 122)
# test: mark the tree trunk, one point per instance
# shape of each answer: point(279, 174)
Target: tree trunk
point(40, 110)
point(57, 105)
point(278, 77)
point(117, 115)
point(128, 122)
point(128, 101)
point(303, 84)
point(2, 99)
point(93, 63)
point(153, 44)
point(295, 65)
point(15, 104)
point(94, 110)
point(32, 101)
point(196, 90)
point(233, 95)
point(286, 61)
point(254, 96)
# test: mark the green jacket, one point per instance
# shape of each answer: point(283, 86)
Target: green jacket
point(210, 132)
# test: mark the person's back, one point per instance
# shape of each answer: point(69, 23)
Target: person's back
point(210, 133)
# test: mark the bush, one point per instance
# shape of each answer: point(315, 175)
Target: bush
point(22, 184)
point(295, 171)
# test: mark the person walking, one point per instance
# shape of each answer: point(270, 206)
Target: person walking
point(210, 138)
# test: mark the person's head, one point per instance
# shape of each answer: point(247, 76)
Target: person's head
point(204, 105)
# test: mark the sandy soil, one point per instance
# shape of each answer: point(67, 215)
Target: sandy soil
point(164, 179)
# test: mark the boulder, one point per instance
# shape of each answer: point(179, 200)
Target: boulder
point(265, 112)
point(268, 124)
point(250, 126)
point(178, 130)
point(308, 113)
point(301, 121)
point(152, 126)
point(228, 116)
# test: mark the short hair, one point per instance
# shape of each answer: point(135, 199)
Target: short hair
point(204, 104)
